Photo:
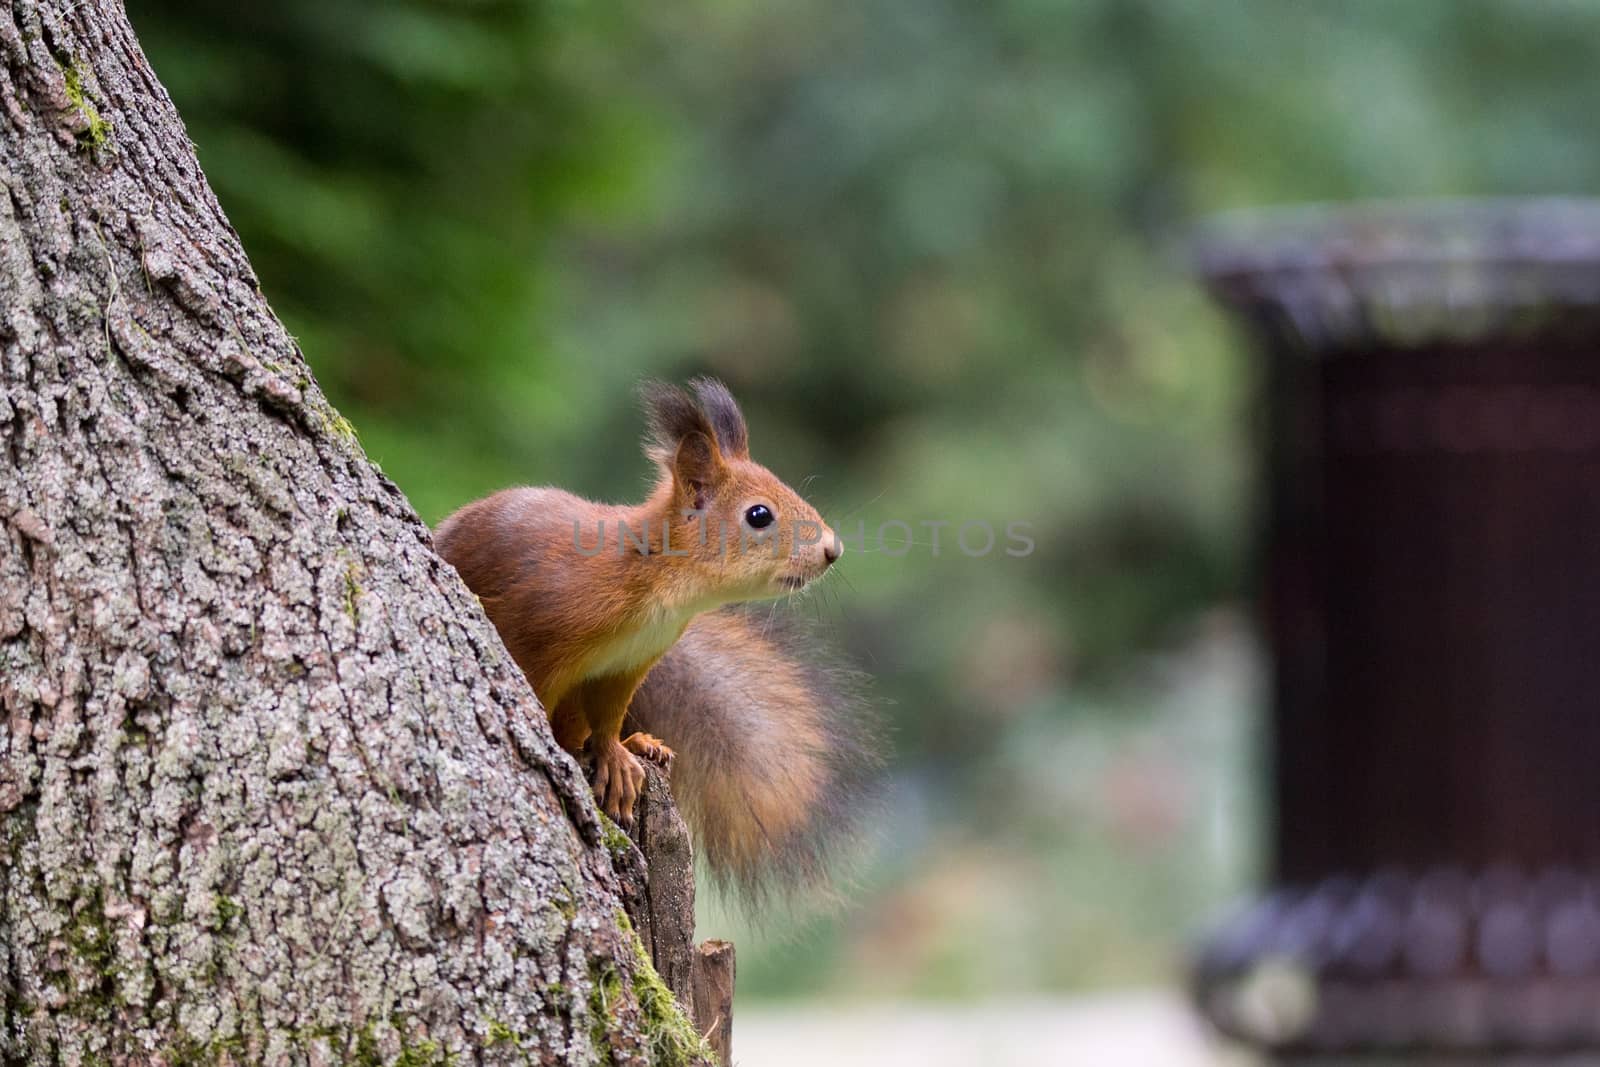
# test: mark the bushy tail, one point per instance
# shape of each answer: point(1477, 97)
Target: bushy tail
point(778, 752)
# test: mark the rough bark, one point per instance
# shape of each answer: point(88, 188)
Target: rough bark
point(270, 788)
point(711, 978)
point(659, 890)
point(658, 894)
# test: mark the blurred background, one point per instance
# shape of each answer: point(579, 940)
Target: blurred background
point(937, 249)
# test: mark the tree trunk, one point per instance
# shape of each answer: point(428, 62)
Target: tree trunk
point(711, 979)
point(271, 789)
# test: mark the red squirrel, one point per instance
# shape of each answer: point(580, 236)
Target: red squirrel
point(617, 616)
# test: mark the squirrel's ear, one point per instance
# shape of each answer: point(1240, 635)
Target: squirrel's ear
point(696, 467)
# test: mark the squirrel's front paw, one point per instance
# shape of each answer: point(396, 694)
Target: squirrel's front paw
point(647, 747)
point(618, 778)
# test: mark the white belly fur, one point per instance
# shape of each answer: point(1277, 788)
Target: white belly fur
point(632, 650)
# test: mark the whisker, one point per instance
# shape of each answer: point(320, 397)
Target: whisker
point(832, 594)
point(897, 544)
point(868, 504)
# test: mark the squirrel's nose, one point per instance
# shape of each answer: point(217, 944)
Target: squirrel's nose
point(833, 548)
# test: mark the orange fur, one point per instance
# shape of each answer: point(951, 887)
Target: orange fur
point(589, 597)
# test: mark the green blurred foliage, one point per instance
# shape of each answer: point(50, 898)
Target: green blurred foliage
point(395, 170)
point(936, 248)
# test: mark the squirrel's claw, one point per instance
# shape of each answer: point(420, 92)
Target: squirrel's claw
point(618, 779)
point(647, 747)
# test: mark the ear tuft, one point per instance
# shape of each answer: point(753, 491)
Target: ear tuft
point(670, 416)
point(722, 412)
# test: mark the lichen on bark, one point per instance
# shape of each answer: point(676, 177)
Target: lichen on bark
point(270, 788)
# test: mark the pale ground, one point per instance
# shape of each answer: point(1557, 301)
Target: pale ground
point(1125, 1030)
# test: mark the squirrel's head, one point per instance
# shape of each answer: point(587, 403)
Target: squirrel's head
point(734, 518)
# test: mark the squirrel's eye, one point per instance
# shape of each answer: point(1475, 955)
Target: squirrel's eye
point(759, 516)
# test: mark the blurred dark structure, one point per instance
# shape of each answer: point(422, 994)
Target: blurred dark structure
point(1432, 573)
